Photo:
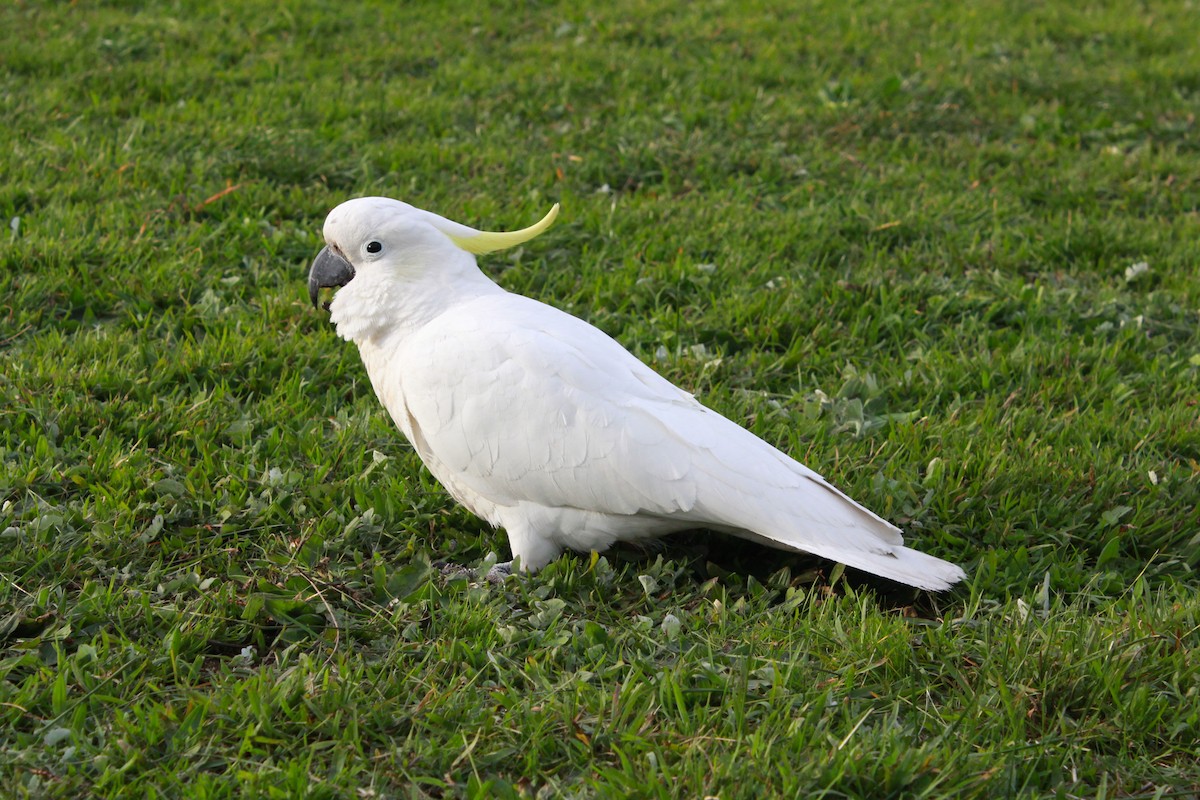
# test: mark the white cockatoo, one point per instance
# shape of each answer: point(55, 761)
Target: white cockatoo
point(543, 425)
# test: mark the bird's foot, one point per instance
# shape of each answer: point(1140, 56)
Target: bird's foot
point(499, 572)
point(451, 571)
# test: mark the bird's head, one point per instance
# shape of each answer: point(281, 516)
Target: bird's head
point(373, 243)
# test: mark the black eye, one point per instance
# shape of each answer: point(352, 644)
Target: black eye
point(374, 247)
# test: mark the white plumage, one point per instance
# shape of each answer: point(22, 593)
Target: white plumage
point(544, 425)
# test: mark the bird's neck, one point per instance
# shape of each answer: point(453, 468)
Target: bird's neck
point(389, 310)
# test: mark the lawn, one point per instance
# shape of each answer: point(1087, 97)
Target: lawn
point(946, 254)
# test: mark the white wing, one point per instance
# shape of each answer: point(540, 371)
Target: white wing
point(522, 403)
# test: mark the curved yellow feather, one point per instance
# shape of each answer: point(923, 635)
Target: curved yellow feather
point(491, 241)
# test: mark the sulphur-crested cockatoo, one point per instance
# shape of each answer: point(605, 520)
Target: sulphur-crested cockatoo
point(542, 424)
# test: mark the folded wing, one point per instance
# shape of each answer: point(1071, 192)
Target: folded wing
point(528, 404)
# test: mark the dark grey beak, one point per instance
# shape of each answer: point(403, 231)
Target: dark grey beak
point(329, 270)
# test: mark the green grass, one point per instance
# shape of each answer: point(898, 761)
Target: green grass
point(892, 238)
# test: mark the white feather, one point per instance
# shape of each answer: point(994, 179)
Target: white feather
point(540, 423)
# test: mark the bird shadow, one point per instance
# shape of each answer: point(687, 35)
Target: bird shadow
point(732, 560)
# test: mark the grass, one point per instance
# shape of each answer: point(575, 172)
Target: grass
point(896, 239)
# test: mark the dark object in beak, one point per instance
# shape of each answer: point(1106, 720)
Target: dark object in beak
point(329, 270)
